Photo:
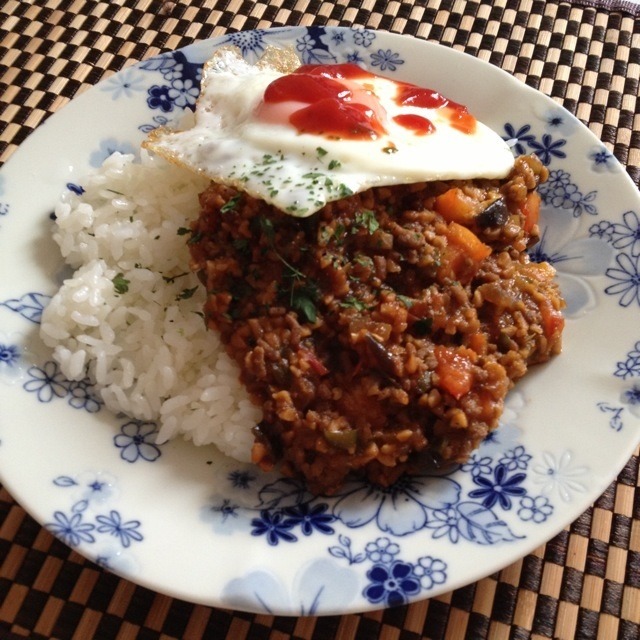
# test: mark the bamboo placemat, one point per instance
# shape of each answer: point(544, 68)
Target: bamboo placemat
point(585, 583)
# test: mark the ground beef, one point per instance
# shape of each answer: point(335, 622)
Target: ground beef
point(381, 334)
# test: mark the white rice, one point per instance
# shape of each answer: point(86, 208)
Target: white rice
point(146, 349)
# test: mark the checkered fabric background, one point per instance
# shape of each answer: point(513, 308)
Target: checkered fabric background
point(585, 583)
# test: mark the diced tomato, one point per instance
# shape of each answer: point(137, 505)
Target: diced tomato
point(468, 241)
point(455, 206)
point(531, 211)
point(454, 370)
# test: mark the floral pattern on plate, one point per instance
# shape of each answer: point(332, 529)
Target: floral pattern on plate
point(367, 546)
point(493, 499)
point(91, 519)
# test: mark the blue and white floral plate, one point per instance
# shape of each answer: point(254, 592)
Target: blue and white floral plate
point(185, 521)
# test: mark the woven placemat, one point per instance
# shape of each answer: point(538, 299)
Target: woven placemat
point(585, 583)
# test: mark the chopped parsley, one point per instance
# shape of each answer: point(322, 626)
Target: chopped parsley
point(294, 208)
point(268, 159)
point(195, 238)
point(354, 303)
point(185, 294)
point(406, 301)
point(266, 227)
point(344, 191)
point(364, 261)
point(325, 235)
point(231, 204)
point(298, 189)
point(365, 220)
point(304, 298)
point(170, 279)
point(120, 284)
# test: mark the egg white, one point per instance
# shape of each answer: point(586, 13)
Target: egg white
point(299, 172)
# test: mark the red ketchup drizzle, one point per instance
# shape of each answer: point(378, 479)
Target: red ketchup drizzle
point(411, 96)
point(419, 125)
point(333, 101)
point(334, 108)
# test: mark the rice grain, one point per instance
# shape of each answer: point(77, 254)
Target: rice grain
point(130, 319)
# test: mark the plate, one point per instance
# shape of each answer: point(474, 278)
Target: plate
point(187, 522)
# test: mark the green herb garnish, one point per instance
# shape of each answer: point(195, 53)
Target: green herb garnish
point(185, 294)
point(344, 191)
point(367, 220)
point(364, 261)
point(170, 279)
point(231, 204)
point(304, 298)
point(195, 238)
point(120, 283)
point(408, 302)
point(353, 303)
point(266, 227)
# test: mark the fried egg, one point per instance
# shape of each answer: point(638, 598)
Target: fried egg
point(299, 137)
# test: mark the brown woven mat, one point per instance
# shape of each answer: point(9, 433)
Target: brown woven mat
point(585, 583)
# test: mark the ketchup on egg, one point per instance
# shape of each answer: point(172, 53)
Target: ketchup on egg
point(412, 96)
point(418, 124)
point(338, 101)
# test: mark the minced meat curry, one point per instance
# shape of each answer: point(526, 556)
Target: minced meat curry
point(381, 334)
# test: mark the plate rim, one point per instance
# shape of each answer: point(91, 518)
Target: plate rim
point(450, 584)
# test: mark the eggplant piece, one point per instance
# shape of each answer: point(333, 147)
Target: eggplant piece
point(495, 214)
point(383, 360)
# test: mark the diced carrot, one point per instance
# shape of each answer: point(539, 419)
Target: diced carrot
point(453, 263)
point(478, 343)
point(552, 320)
point(454, 370)
point(469, 241)
point(455, 206)
point(531, 211)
